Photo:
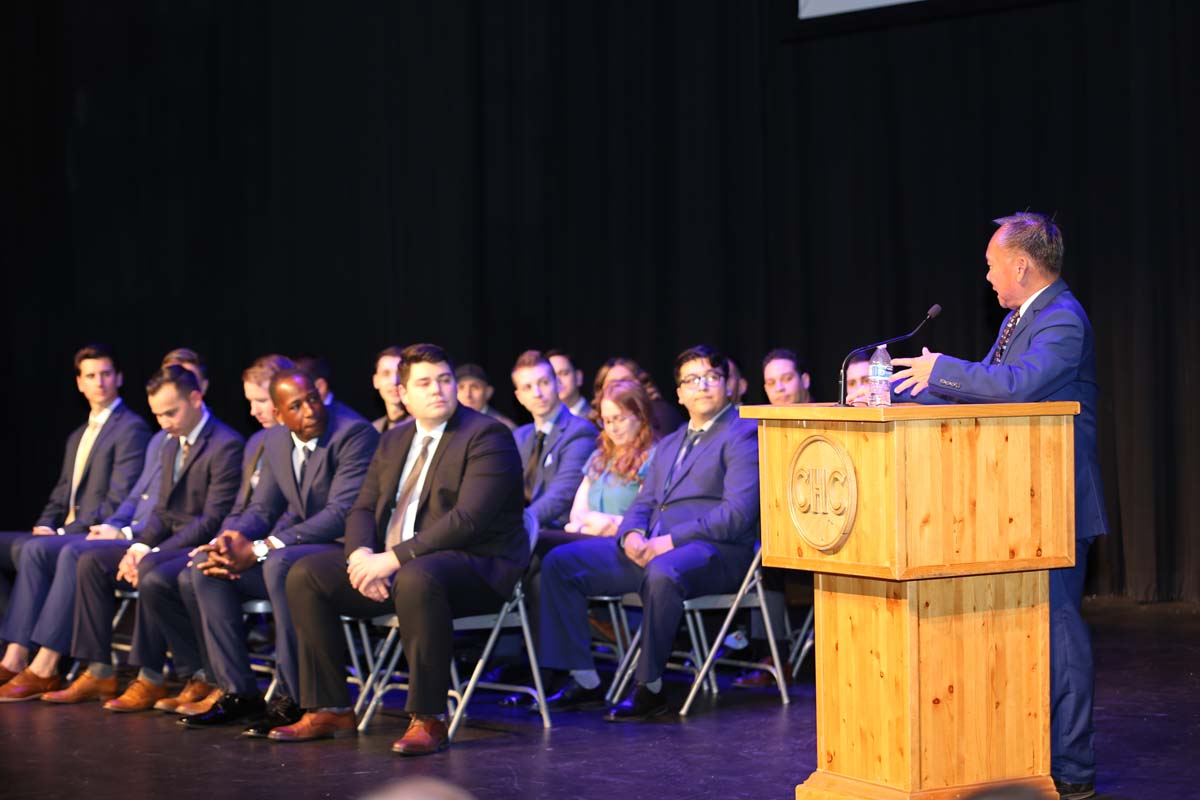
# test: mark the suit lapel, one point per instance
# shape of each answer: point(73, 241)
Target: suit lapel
point(316, 461)
point(707, 441)
point(552, 441)
point(389, 482)
point(279, 455)
point(445, 444)
point(194, 453)
point(166, 484)
point(1025, 324)
point(104, 435)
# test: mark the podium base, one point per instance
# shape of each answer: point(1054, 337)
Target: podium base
point(831, 786)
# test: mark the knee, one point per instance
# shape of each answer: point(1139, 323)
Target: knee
point(87, 566)
point(413, 585)
point(299, 583)
point(660, 581)
point(38, 554)
point(152, 581)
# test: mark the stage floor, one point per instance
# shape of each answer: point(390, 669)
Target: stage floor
point(745, 744)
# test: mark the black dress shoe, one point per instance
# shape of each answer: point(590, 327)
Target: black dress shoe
point(574, 697)
point(1074, 791)
point(518, 700)
point(642, 704)
point(281, 711)
point(229, 710)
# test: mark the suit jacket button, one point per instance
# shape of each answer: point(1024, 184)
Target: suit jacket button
point(145, 497)
point(662, 508)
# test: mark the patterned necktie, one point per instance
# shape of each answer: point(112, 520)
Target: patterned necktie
point(81, 457)
point(1006, 336)
point(185, 447)
point(531, 467)
point(395, 531)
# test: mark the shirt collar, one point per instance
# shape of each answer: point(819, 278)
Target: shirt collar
point(195, 432)
point(101, 416)
point(580, 404)
point(704, 428)
point(436, 433)
point(1028, 302)
point(548, 427)
point(310, 445)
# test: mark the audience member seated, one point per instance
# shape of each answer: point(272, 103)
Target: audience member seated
point(857, 373)
point(322, 375)
point(314, 464)
point(666, 418)
point(554, 447)
point(570, 383)
point(736, 384)
point(103, 460)
point(690, 532)
point(388, 385)
point(475, 392)
point(436, 532)
point(199, 476)
point(785, 379)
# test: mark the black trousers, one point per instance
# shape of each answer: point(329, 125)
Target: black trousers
point(427, 594)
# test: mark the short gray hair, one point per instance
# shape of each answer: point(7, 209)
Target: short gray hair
point(1036, 235)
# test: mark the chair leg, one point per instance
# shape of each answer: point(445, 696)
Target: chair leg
point(272, 686)
point(352, 648)
point(803, 645)
point(533, 662)
point(778, 666)
point(617, 632)
point(624, 669)
point(712, 654)
point(477, 673)
point(377, 683)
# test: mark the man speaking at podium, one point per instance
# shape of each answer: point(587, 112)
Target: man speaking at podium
point(1044, 352)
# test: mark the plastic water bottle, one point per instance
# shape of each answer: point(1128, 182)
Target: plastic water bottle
point(879, 379)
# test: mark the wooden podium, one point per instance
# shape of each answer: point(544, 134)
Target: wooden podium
point(930, 530)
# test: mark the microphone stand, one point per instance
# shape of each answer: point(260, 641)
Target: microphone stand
point(934, 310)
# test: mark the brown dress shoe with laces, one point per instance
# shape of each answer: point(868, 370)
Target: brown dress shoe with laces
point(141, 695)
point(27, 685)
point(85, 688)
point(425, 736)
point(201, 706)
point(317, 725)
point(6, 675)
point(193, 692)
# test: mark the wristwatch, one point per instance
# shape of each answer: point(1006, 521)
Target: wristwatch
point(261, 549)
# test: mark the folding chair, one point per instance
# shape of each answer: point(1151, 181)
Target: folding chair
point(511, 615)
point(701, 650)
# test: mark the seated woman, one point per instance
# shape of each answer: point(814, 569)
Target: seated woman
point(615, 471)
point(664, 416)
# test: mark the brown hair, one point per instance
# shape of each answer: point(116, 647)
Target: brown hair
point(532, 358)
point(185, 355)
point(265, 367)
point(182, 378)
point(624, 462)
point(421, 354)
point(94, 351)
point(643, 378)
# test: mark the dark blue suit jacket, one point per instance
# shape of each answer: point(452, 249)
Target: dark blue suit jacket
point(112, 468)
point(190, 509)
point(564, 454)
point(1050, 357)
point(315, 512)
point(713, 496)
point(143, 497)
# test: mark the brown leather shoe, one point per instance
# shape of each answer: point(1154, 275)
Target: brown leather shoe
point(760, 678)
point(6, 675)
point(193, 692)
point(27, 685)
point(425, 736)
point(140, 695)
point(201, 706)
point(83, 689)
point(317, 725)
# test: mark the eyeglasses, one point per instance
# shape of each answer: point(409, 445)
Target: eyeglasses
point(694, 382)
point(609, 422)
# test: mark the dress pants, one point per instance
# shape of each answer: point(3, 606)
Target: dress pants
point(1072, 675)
point(10, 553)
point(574, 572)
point(166, 616)
point(43, 600)
point(220, 602)
point(427, 594)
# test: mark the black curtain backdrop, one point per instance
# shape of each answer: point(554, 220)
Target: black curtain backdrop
point(606, 177)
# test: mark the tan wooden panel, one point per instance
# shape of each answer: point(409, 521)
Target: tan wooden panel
point(984, 687)
point(865, 642)
point(831, 412)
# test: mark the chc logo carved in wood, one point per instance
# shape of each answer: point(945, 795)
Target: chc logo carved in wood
point(823, 493)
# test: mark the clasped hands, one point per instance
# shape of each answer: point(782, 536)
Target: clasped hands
point(642, 551)
point(226, 556)
point(371, 573)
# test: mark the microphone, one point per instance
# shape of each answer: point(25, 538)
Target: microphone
point(933, 311)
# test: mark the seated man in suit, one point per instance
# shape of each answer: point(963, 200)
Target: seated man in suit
point(437, 532)
point(198, 480)
point(785, 378)
point(1044, 352)
point(319, 369)
point(690, 532)
point(386, 382)
point(167, 615)
point(102, 462)
point(313, 466)
point(554, 447)
point(857, 373)
point(570, 383)
point(475, 392)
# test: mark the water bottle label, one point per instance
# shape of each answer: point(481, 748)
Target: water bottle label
point(880, 372)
